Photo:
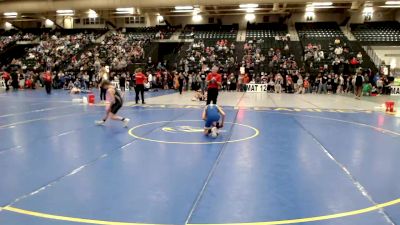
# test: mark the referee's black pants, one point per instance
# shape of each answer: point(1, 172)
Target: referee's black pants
point(139, 88)
point(212, 95)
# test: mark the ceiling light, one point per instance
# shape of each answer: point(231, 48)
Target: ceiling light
point(92, 14)
point(183, 7)
point(197, 18)
point(182, 11)
point(390, 6)
point(49, 23)
point(250, 17)
point(368, 10)
point(321, 3)
point(124, 9)
point(392, 3)
point(250, 10)
point(10, 13)
point(310, 14)
point(248, 6)
point(309, 8)
point(64, 11)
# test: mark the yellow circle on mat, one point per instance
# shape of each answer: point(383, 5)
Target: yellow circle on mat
point(276, 222)
point(255, 134)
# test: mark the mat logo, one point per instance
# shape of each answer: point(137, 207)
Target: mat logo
point(182, 129)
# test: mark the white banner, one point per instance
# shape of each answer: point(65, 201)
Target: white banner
point(116, 85)
point(2, 84)
point(395, 90)
point(256, 87)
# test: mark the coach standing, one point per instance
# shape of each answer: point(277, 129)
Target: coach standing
point(214, 81)
point(48, 81)
point(140, 79)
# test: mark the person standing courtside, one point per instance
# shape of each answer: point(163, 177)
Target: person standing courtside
point(47, 79)
point(6, 77)
point(358, 85)
point(140, 79)
point(214, 81)
point(103, 76)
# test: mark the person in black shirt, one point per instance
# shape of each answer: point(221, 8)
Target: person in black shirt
point(323, 84)
point(14, 82)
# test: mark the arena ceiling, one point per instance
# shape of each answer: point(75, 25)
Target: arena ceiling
point(217, 7)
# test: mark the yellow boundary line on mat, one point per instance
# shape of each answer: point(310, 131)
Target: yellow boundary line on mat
point(256, 133)
point(277, 222)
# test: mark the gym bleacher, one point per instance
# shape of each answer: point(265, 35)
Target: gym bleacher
point(265, 30)
point(149, 32)
point(209, 31)
point(269, 35)
point(377, 33)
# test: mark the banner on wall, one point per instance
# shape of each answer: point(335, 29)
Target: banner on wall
point(256, 87)
point(2, 84)
point(116, 85)
point(395, 90)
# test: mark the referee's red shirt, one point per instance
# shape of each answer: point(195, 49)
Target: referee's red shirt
point(218, 79)
point(140, 78)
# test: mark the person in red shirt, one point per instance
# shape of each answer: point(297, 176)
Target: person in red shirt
point(47, 78)
point(6, 77)
point(214, 81)
point(140, 79)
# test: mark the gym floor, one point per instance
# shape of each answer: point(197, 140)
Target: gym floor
point(280, 159)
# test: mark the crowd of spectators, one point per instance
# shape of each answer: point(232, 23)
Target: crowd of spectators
point(6, 40)
point(334, 71)
point(117, 50)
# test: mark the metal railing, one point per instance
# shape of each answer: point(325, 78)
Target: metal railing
point(372, 54)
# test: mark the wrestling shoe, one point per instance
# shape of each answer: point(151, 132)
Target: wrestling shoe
point(99, 122)
point(126, 122)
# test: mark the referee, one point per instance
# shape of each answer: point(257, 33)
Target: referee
point(140, 79)
point(214, 81)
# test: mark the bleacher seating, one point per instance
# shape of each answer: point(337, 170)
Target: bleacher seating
point(209, 31)
point(325, 34)
point(388, 31)
point(149, 32)
point(265, 30)
point(320, 30)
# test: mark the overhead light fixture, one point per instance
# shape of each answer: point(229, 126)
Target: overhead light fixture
point(160, 18)
point(8, 25)
point(368, 10)
point(92, 14)
point(188, 7)
point(182, 11)
point(250, 17)
point(321, 3)
point(390, 6)
point(310, 14)
point(246, 6)
point(392, 3)
point(250, 10)
point(10, 14)
point(49, 23)
point(125, 10)
point(197, 18)
point(309, 8)
point(64, 11)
